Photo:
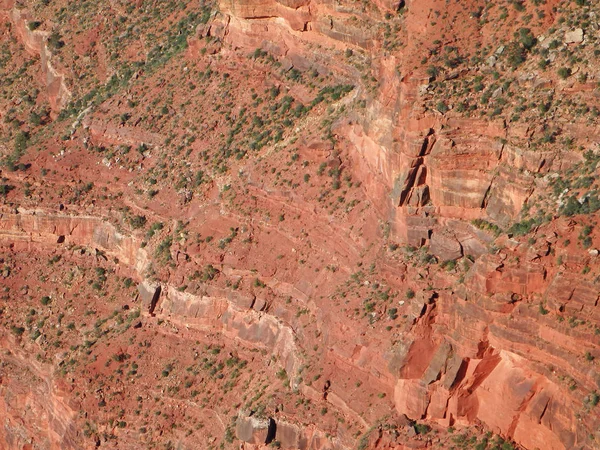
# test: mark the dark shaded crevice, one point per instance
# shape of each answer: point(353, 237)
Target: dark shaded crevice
point(523, 407)
point(486, 196)
point(483, 344)
point(410, 181)
point(424, 415)
point(155, 299)
point(483, 370)
point(544, 411)
point(424, 146)
point(259, 17)
point(326, 387)
point(272, 431)
point(428, 142)
point(460, 374)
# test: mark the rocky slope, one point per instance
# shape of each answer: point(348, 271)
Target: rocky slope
point(300, 224)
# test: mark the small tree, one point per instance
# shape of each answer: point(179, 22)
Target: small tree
point(55, 41)
point(564, 72)
point(516, 55)
point(433, 71)
point(526, 38)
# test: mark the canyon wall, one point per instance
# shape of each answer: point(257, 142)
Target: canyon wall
point(490, 347)
point(479, 351)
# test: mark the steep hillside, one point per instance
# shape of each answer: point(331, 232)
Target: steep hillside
point(299, 224)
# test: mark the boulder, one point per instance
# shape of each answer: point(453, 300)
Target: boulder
point(254, 430)
point(574, 36)
point(445, 247)
point(288, 435)
point(437, 364)
point(259, 304)
point(149, 295)
point(410, 398)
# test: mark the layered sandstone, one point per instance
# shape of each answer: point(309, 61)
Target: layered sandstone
point(500, 333)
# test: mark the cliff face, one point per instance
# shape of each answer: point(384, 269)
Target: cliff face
point(499, 360)
point(479, 351)
point(274, 304)
point(471, 354)
point(419, 168)
point(34, 405)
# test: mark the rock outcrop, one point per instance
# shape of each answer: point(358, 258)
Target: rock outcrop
point(407, 304)
point(35, 42)
point(479, 352)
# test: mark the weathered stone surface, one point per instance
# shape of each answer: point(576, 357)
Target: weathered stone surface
point(485, 351)
point(508, 192)
point(288, 435)
point(254, 430)
point(438, 363)
point(410, 397)
point(445, 246)
point(574, 36)
point(565, 291)
point(149, 294)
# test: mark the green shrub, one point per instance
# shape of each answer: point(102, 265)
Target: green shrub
point(588, 205)
point(483, 224)
point(564, 72)
point(5, 189)
point(526, 38)
point(156, 226)
point(163, 251)
point(448, 265)
point(422, 428)
point(199, 178)
point(524, 227)
point(209, 273)
point(34, 25)
point(518, 5)
point(137, 221)
point(21, 142)
point(594, 398)
point(393, 313)
point(54, 41)
point(516, 55)
point(17, 331)
point(587, 230)
point(433, 71)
